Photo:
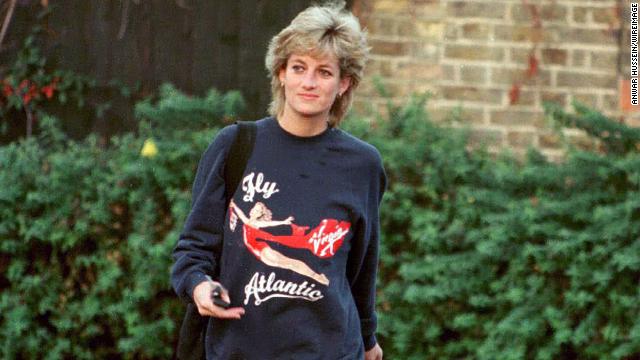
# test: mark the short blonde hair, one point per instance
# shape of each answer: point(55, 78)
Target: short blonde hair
point(320, 30)
point(265, 213)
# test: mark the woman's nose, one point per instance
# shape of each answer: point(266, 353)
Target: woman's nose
point(309, 80)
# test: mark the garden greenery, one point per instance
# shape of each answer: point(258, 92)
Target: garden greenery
point(482, 257)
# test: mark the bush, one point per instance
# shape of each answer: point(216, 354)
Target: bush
point(86, 233)
point(481, 257)
point(492, 259)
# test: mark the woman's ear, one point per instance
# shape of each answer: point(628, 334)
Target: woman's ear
point(345, 82)
point(281, 75)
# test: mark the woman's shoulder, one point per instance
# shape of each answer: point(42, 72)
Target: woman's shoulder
point(225, 136)
point(364, 149)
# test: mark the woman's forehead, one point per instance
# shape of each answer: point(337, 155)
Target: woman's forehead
point(318, 58)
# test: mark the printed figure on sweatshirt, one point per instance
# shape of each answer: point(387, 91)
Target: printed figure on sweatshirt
point(322, 241)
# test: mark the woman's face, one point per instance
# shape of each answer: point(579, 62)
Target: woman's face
point(256, 212)
point(311, 85)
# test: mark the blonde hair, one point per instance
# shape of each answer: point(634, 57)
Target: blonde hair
point(265, 214)
point(320, 30)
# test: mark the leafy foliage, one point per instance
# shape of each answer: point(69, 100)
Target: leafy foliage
point(488, 258)
point(86, 233)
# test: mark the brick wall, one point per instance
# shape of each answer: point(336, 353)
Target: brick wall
point(495, 61)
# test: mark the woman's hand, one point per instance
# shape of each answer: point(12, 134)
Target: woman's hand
point(288, 220)
point(374, 354)
point(206, 307)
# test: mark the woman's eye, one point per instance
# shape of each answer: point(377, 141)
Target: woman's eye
point(297, 68)
point(325, 73)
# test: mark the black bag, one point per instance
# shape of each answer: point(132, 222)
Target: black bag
point(194, 326)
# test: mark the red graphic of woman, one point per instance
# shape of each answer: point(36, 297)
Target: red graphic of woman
point(322, 241)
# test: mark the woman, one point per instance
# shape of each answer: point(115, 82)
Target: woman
point(294, 293)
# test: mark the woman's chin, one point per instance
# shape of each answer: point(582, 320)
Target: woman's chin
point(311, 113)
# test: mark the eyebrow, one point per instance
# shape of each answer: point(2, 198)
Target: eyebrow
point(322, 65)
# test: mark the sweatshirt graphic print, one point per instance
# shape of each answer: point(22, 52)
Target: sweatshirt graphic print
point(300, 246)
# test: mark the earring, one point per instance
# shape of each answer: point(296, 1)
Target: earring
point(281, 83)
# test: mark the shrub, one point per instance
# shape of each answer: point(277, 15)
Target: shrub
point(86, 233)
point(494, 259)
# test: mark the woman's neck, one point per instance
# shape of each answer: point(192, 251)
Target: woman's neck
point(303, 126)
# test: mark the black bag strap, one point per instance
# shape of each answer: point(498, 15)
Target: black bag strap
point(238, 156)
point(192, 331)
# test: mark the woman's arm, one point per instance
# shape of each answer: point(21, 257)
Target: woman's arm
point(236, 209)
point(199, 246)
point(362, 264)
point(287, 221)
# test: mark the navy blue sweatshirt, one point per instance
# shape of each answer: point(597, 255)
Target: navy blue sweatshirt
point(297, 247)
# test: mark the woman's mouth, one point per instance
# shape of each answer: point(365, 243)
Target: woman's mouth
point(308, 96)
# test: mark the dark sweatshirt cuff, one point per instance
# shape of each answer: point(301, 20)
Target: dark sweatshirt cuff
point(192, 281)
point(369, 342)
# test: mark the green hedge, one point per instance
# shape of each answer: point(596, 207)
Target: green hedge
point(86, 233)
point(493, 259)
point(482, 257)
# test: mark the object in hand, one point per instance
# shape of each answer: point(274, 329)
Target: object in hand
point(216, 294)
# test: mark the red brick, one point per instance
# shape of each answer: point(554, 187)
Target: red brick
point(432, 30)
point(473, 74)
point(385, 47)
point(451, 32)
point(391, 6)
point(584, 80)
point(460, 9)
point(449, 71)
point(580, 14)
point(381, 26)
point(604, 60)
point(366, 89)
point(582, 141)
point(555, 97)
point(590, 100)
point(579, 57)
point(465, 114)
point(510, 76)
point(381, 67)
point(482, 137)
point(521, 56)
point(605, 16)
point(588, 36)
point(525, 98)
point(425, 51)
point(554, 56)
point(417, 70)
point(610, 102)
point(633, 122)
point(470, 93)
point(526, 33)
point(517, 118)
point(549, 12)
point(471, 52)
point(397, 87)
point(521, 138)
point(549, 140)
point(475, 31)
point(405, 28)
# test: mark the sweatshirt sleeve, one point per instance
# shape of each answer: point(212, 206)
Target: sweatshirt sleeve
point(362, 265)
point(199, 246)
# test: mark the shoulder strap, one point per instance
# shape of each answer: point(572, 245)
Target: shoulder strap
point(192, 331)
point(238, 156)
